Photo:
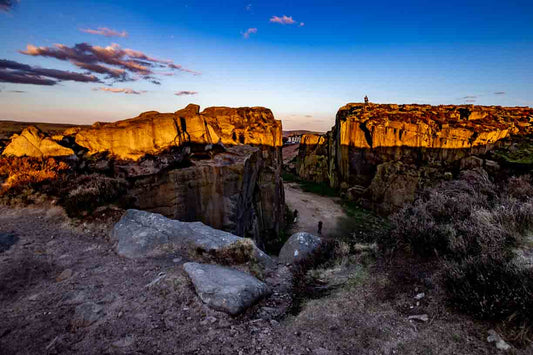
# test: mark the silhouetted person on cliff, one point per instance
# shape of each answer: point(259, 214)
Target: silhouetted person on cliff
point(366, 99)
point(320, 228)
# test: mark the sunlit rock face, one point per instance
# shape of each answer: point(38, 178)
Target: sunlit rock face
point(152, 132)
point(428, 139)
point(34, 143)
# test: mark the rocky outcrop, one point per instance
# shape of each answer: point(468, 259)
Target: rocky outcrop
point(34, 143)
point(141, 234)
point(153, 132)
point(225, 289)
point(221, 166)
point(430, 139)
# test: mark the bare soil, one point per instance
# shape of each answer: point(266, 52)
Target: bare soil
point(311, 209)
point(37, 308)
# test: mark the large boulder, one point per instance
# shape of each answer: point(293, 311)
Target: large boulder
point(34, 143)
point(300, 247)
point(143, 234)
point(225, 289)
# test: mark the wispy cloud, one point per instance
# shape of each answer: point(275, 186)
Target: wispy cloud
point(185, 93)
point(6, 5)
point(249, 7)
point(470, 97)
point(470, 101)
point(104, 31)
point(120, 90)
point(284, 20)
point(499, 93)
point(19, 73)
point(248, 32)
point(116, 63)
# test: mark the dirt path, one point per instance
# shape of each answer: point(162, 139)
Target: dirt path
point(311, 209)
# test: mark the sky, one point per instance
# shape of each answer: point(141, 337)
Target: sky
point(86, 61)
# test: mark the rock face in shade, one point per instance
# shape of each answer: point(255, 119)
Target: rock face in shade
point(225, 289)
point(152, 132)
point(239, 190)
point(34, 143)
point(143, 234)
point(428, 139)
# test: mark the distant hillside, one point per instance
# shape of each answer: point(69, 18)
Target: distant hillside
point(8, 128)
point(299, 132)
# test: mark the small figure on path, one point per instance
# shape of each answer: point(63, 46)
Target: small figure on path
point(366, 99)
point(295, 216)
point(320, 228)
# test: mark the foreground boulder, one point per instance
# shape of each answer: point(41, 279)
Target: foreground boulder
point(300, 247)
point(34, 143)
point(143, 234)
point(225, 289)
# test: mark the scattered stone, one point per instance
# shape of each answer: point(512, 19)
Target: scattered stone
point(420, 295)
point(6, 241)
point(154, 282)
point(208, 320)
point(299, 247)
point(66, 274)
point(225, 289)
point(496, 338)
point(125, 342)
point(144, 234)
point(74, 297)
point(419, 317)
point(86, 314)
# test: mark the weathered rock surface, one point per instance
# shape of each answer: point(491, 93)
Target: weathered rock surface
point(143, 234)
point(433, 138)
point(34, 143)
point(225, 289)
point(86, 314)
point(299, 248)
point(152, 132)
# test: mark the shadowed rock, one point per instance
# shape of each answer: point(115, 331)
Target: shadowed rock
point(225, 289)
point(6, 241)
point(299, 248)
point(144, 234)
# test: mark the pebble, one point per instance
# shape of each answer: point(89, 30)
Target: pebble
point(419, 317)
point(66, 274)
point(496, 338)
point(420, 295)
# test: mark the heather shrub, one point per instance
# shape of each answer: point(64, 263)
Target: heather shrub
point(21, 173)
point(490, 288)
point(474, 227)
point(92, 191)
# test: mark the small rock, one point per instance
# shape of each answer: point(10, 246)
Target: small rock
point(299, 247)
point(6, 241)
point(208, 320)
point(420, 295)
point(86, 314)
point(124, 342)
point(496, 338)
point(419, 317)
point(66, 274)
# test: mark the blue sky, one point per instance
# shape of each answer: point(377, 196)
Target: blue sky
point(302, 59)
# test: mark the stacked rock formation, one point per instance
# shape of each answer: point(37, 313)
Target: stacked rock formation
point(34, 143)
point(409, 137)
